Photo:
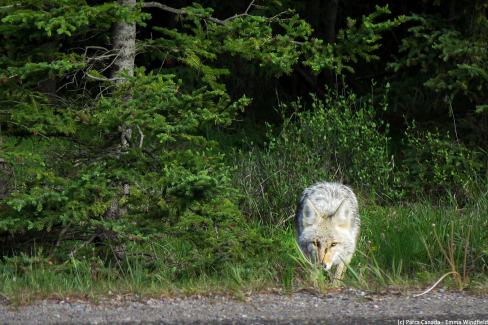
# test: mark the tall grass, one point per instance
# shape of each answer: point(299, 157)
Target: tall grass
point(401, 246)
point(416, 242)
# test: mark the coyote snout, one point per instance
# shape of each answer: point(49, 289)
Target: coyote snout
point(324, 253)
point(327, 222)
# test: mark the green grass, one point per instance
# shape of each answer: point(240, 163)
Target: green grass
point(416, 243)
point(407, 246)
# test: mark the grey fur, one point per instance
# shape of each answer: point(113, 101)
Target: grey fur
point(328, 215)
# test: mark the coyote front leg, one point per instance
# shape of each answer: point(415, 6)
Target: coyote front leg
point(341, 267)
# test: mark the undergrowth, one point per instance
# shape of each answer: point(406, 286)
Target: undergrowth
point(242, 240)
point(401, 246)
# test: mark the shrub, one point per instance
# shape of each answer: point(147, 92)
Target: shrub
point(436, 165)
point(339, 139)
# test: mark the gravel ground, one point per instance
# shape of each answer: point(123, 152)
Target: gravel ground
point(344, 307)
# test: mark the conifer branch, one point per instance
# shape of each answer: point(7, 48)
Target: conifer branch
point(183, 12)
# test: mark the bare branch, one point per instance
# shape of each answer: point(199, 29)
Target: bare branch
point(245, 13)
point(88, 241)
point(101, 57)
point(182, 12)
point(278, 15)
point(10, 6)
point(94, 47)
point(106, 54)
point(141, 139)
point(104, 79)
point(61, 237)
point(249, 7)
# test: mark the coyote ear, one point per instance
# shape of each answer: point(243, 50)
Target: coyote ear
point(341, 216)
point(311, 215)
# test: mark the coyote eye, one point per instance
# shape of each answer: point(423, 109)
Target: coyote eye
point(333, 244)
point(316, 243)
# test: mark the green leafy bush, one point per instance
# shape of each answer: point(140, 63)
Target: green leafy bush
point(340, 138)
point(435, 165)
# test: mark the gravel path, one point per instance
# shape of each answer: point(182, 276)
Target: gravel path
point(346, 307)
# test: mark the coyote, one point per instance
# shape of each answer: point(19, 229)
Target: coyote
point(327, 223)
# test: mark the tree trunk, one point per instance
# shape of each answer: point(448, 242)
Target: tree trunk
point(6, 179)
point(124, 42)
point(330, 20)
point(124, 45)
point(330, 17)
point(452, 9)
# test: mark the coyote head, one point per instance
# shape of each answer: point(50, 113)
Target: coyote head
point(327, 240)
point(324, 251)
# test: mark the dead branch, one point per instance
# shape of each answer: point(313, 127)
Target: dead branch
point(104, 79)
point(141, 139)
point(183, 12)
point(435, 284)
point(61, 237)
point(245, 13)
point(86, 242)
